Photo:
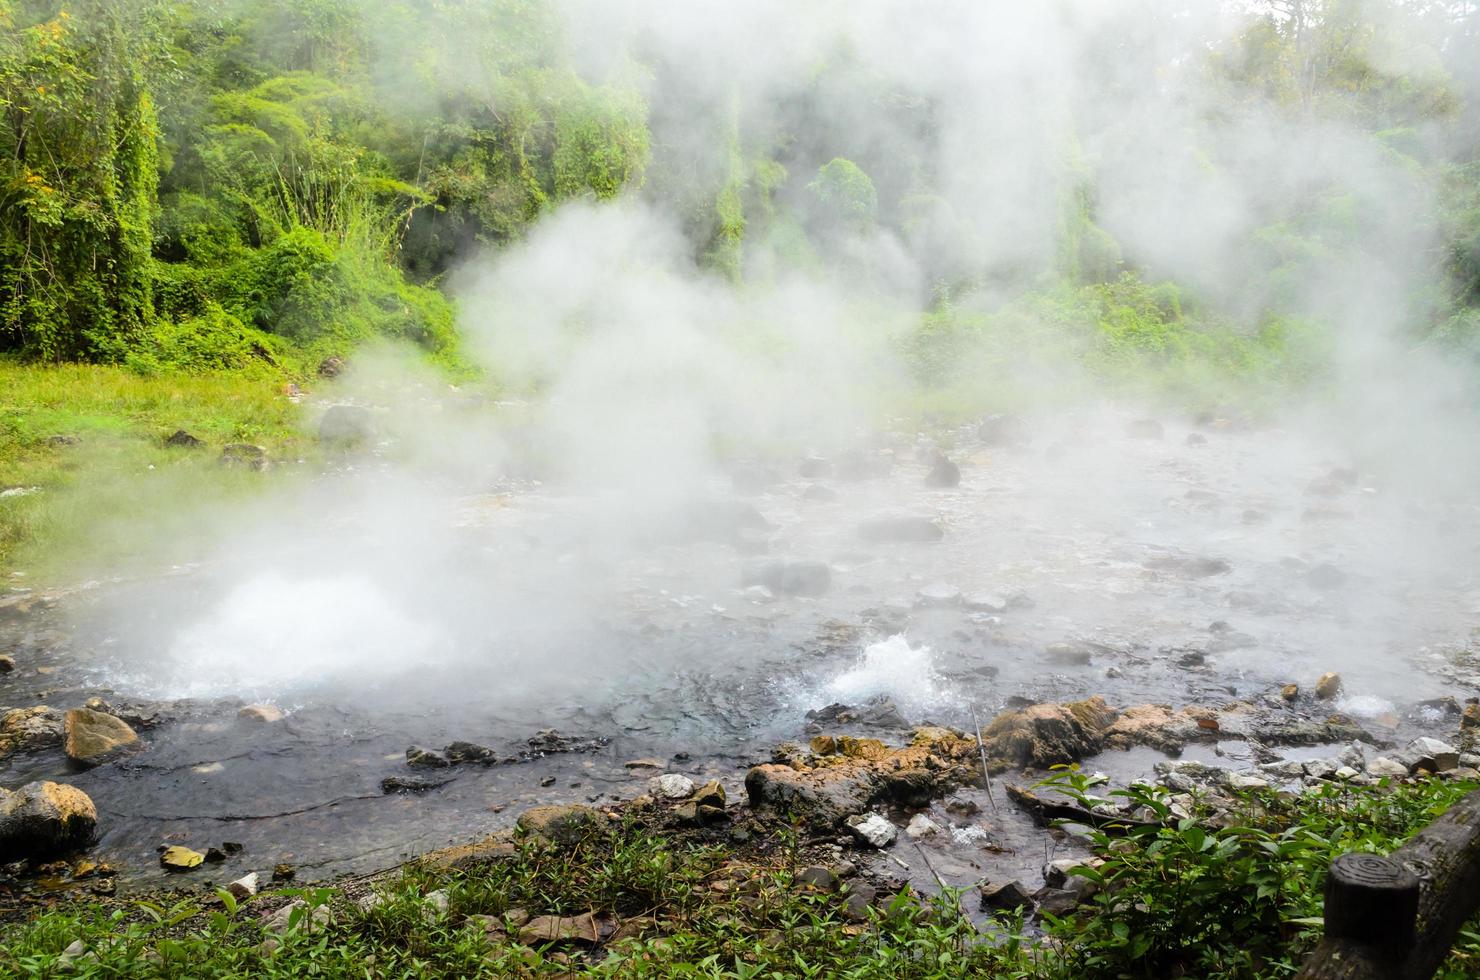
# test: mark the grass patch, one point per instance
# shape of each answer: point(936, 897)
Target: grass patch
point(82, 447)
point(1185, 899)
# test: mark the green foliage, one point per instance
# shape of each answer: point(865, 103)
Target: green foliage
point(78, 148)
point(846, 193)
point(1183, 898)
point(1177, 897)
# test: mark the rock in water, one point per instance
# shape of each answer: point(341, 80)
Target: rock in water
point(180, 858)
point(1004, 896)
point(938, 594)
point(7, 663)
point(1328, 687)
point(42, 819)
point(93, 738)
point(459, 752)
point(262, 713)
point(424, 758)
point(410, 784)
point(802, 578)
point(943, 473)
point(346, 425)
point(900, 529)
point(873, 829)
point(25, 729)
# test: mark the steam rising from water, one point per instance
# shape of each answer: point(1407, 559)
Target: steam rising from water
point(639, 373)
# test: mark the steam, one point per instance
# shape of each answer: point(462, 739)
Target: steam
point(633, 376)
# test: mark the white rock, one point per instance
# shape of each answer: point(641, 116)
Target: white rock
point(671, 786)
point(1353, 757)
point(1469, 760)
point(938, 594)
point(1383, 766)
point(873, 829)
point(1239, 781)
point(921, 826)
point(282, 920)
point(1347, 773)
point(985, 602)
point(245, 886)
point(438, 900)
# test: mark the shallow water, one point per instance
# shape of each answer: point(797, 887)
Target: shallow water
point(452, 615)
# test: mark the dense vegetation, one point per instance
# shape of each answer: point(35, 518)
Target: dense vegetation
point(196, 184)
point(1242, 901)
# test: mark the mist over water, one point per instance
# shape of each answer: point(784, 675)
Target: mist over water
point(569, 555)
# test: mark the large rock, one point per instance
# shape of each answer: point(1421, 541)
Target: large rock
point(804, 578)
point(346, 425)
point(93, 738)
point(861, 773)
point(566, 825)
point(43, 819)
point(26, 729)
point(872, 829)
point(1044, 735)
point(943, 473)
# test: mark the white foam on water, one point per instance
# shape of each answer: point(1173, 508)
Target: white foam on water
point(276, 633)
point(894, 669)
point(1366, 706)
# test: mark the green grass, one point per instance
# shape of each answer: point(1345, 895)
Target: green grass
point(105, 501)
point(1181, 900)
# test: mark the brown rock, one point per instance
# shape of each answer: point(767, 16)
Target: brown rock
point(711, 794)
point(1470, 718)
point(545, 929)
point(43, 818)
point(1290, 692)
point(1329, 686)
point(562, 824)
point(24, 729)
point(1045, 735)
point(464, 855)
point(863, 773)
point(263, 713)
point(93, 738)
point(7, 663)
point(180, 859)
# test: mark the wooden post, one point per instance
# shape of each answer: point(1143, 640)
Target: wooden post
point(1394, 918)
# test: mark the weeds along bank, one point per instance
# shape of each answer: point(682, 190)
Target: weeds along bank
point(1235, 897)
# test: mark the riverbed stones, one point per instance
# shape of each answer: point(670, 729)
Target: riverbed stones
point(42, 819)
point(179, 858)
point(943, 473)
point(1044, 735)
point(92, 738)
point(1382, 766)
point(990, 602)
point(1328, 687)
point(411, 784)
point(346, 426)
point(872, 829)
point(424, 758)
point(1431, 754)
point(565, 825)
point(7, 663)
point(863, 773)
point(461, 753)
point(244, 887)
point(671, 786)
point(711, 794)
point(296, 915)
point(921, 826)
point(545, 930)
point(799, 578)
point(264, 714)
point(28, 729)
point(937, 595)
point(1004, 896)
point(900, 530)
point(1290, 692)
